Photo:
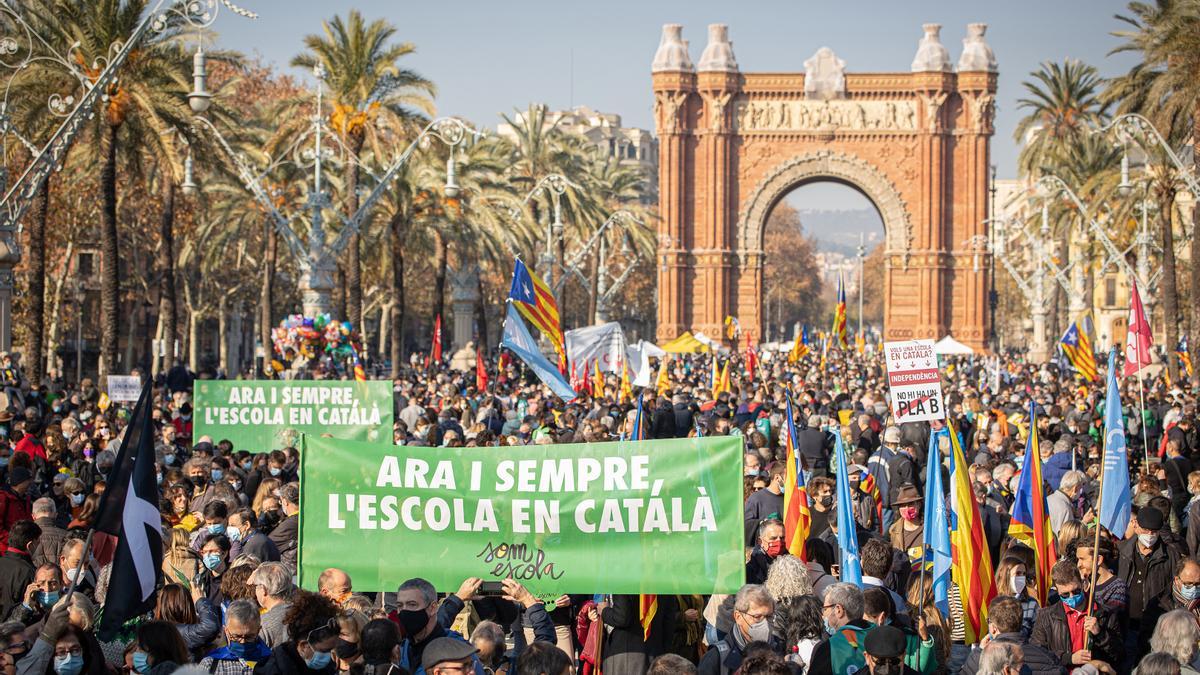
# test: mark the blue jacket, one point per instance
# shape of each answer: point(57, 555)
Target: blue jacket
point(408, 661)
point(1055, 467)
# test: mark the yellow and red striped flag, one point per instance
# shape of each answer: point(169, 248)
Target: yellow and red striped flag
point(839, 314)
point(1030, 522)
point(972, 563)
point(797, 518)
point(598, 382)
point(535, 302)
point(1078, 349)
point(664, 377)
point(868, 486)
point(647, 608)
point(799, 347)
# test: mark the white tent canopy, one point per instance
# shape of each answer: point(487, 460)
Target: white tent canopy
point(948, 345)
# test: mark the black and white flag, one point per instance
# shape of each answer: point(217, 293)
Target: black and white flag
point(129, 511)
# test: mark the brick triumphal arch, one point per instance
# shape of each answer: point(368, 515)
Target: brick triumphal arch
point(732, 144)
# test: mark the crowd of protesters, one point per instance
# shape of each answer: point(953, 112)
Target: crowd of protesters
point(229, 603)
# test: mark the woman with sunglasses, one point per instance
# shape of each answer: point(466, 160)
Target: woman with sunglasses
point(314, 630)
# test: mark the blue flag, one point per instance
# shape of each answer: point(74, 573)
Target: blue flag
point(1114, 502)
point(520, 342)
point(847, 533)
point(937, 525)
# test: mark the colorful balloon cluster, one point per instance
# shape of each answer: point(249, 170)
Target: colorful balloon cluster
point(312, 336)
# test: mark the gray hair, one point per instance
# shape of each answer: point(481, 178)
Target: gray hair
point(10, 628)
point(849, 596)
point(1158, 663)
point(1176, 634)
point(490, 631)
point(814, 421)
point(106, 457)
point(243, 611)
point(275, 578)
point(999, 655)
point(1062, 445)
point(1072, 479)
point(44, 507)
point(752, 594)
point(290, 493)
point(788, 578)
point(427, 590)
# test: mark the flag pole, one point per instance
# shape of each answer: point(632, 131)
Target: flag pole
point(1142, 402)
point(1096, 542)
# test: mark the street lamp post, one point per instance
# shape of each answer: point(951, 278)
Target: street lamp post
point(80, 297)
point(862, 254)
point(317, 257)
point(555, 186)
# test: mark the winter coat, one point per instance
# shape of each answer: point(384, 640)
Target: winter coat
point(1050, 632)
point(1037, 660)
point(626, 652)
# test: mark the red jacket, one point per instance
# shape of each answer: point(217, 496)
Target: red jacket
point(30, 445)
point(13, 507)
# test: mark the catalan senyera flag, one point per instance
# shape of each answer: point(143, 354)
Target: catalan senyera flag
point(1030, 522)
point(598, 381)
point(1078, 349)
point(839, 314)
point(751, 358)
point(799, 347)
point(972, 563)
point(714, 377)
point(797, 518)
point(625, 393)
point(647, 608)
point(725, 377)
point(533, 299)
point(502, 367)
point(1185, 359)
point(664, 377)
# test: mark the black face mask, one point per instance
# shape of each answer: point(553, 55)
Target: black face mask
point(413, 620)
point(826, 501)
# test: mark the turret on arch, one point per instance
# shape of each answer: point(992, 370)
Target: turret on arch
point(732, 144)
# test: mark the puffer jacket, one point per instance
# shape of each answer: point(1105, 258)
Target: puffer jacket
point(198, 636)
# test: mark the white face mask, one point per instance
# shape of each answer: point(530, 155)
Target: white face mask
point(1148, 540)
point(1018, 583)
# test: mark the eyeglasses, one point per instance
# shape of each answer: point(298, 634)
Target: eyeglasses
point(243, 639)
point(72, 651)
point(331, 628)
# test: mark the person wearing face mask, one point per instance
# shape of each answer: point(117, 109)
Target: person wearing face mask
point(1147, 565)
point(1111, 591)
point(243, 533)
point(841, 652)
point(40, 595)
point(919, 652)
point(904, 470)
point(160, 649)
point(243, 648)
point(214, 555)
point(1060, 628)
point(417, 614)
point(68, 561)
point(216, 516)
point(1004, 627)
point(908, 533)
point(1185, 591)
point(769, 547)
point(820, 490)
point(1012, 580)
point(286, 533)
point(273, 589)
point(753, 610)
point(767, 502)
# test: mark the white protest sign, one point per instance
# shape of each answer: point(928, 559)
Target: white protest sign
point(916, 386)
point(124, 388)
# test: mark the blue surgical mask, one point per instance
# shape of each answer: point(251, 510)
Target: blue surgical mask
point(217, 473)
point(68, 665)
point(168, 458)
point(216, 528)
point(275, 471)
point(234, 534)
point(1073, 601)
point(77, 500)
point(141, 662)
point(212, 560)
point(1189, 591)
point(828, 629)
point(246, 466)
point(318, 660)
point(48, 598)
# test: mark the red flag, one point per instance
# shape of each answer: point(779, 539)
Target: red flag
point(481, 374)
point(435, 352)
point(502, 368)
point(1138, 338)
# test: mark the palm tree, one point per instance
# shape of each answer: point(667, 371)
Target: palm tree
point(1165, 87)
point(1062, 103)
point(140, 107)
point(367, 85)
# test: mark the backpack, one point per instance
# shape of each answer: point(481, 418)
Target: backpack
point(846, 650)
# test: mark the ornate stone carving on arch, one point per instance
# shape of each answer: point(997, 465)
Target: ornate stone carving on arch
point(825, 164)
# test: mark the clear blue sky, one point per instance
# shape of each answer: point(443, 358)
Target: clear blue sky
point(489, 57)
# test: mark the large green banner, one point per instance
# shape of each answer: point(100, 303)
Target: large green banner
point(265, 415)
point(660, 516)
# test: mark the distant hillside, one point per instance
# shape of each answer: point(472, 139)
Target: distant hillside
point(837, 231)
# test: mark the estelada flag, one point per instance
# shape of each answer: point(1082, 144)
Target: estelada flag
point(797, 518)
point(1030, 522)
point(533, 299)
point(1137, 338)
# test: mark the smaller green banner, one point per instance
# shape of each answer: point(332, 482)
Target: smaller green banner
point(265, 415)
